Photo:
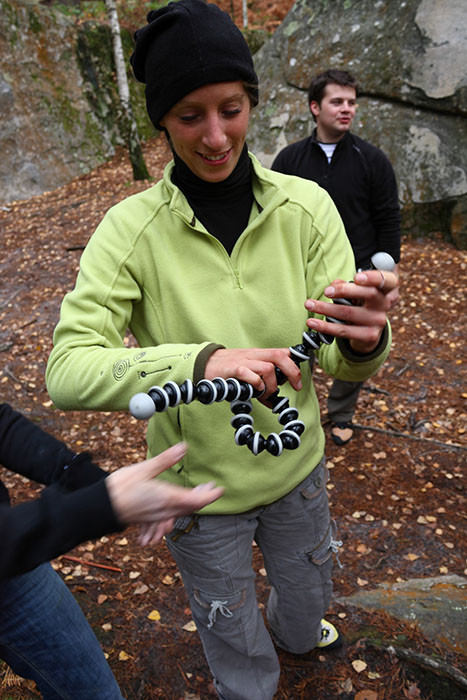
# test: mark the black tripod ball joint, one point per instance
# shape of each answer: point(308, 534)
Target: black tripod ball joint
point(239, 394)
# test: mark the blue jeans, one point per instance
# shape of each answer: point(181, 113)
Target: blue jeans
point(44, 636)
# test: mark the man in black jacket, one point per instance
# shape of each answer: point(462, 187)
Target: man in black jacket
point(43, 633)
point(361, 181)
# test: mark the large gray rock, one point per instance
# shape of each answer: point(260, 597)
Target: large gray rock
point(410, 60)
point(58, 102)
point(438, 606)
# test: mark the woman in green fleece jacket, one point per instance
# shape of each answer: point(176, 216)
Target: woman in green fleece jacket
point(217, 269)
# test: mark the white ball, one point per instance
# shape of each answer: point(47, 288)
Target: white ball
point(142, 406)
point(383, 261)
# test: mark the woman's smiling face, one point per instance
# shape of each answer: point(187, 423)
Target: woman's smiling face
point(208, 127)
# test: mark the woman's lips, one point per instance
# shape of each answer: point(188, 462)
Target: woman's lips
point(215, 158)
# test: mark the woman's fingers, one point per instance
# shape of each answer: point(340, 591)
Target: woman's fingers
point(384, 280)
point(372, 294)
point(257, 366)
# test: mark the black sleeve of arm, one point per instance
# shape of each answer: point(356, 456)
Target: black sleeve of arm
point(28, 450)
point(35, 532)
point(385, 209)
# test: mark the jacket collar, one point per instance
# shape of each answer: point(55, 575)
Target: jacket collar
point(266, 192)
point(346, 139)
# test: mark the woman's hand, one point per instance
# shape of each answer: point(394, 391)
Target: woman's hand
point(255, 366)
point(137, 497)
point(374, 291)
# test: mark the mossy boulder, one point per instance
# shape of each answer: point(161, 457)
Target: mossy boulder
point(59, 105)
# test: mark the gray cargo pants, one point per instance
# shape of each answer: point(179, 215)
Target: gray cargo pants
point(296, 537)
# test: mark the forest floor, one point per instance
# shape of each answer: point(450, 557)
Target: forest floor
point(395, 489)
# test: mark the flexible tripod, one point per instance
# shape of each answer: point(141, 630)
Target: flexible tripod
point(159, 398)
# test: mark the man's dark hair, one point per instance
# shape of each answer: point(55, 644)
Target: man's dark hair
point(337, 77)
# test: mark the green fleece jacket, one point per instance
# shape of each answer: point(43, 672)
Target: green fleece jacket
point(153, 268)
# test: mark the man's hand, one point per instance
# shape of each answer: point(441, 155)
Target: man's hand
point(137, 497)
point(374, 291)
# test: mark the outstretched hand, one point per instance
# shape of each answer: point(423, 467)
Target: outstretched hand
point(374, 291)
point(137, 497)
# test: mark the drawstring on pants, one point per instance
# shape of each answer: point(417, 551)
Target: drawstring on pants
point(220, 605)
point(335, 544)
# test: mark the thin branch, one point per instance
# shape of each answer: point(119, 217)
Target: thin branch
point(8, 299)
point(440, 668)
point(9, 373)
point(91, 563)
point(397, 433)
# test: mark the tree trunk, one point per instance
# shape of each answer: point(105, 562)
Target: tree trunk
point(127, 120)
point(245, 14)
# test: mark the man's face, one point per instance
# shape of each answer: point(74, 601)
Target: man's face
point(335, 114)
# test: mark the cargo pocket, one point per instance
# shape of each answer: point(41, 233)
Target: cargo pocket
point(316, 507)
point(218, 608)
point(320, 553)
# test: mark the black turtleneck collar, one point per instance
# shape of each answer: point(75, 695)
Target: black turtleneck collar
point(223, 207)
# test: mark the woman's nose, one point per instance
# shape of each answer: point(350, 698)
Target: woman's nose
point(214, 136)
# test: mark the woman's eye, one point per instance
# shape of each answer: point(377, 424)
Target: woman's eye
point(232, 112)
point(188, 117)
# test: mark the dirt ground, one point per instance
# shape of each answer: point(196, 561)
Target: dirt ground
point(395, 490)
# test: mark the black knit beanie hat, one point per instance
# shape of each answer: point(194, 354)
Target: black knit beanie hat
point(186, 45)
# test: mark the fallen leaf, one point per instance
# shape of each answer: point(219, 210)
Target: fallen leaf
point(362, 582)
point(358, 665)
point(168, 580)
point(366, 695)
point(106, 626)
point(123, 656)
point(346, 685)
point(101, 598)
point(190, 626)
point(134, 574)
point(122, 542)
point(362, 549)
point(141, 589)
point(154, 615)
point(411, 557)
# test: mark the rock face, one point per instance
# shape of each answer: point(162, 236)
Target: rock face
point(58, 101)
point(409, 58)
point(438, 606)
